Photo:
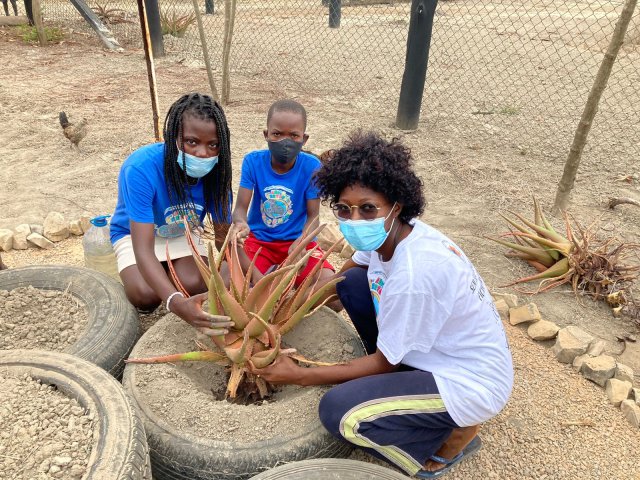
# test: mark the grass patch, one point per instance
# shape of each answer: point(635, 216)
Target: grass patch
point(28, 34)
point(509, 110)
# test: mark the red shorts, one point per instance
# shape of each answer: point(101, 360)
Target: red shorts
point(274, 253)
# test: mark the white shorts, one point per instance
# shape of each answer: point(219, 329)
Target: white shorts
point(178, 248)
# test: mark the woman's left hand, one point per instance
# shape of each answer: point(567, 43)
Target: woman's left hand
point(282, 371)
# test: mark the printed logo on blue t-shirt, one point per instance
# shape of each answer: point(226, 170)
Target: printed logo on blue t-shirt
point(278, 207)
point(174, 226)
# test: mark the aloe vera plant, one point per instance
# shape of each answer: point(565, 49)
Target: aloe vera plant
point(262, 311)
point(597, 268)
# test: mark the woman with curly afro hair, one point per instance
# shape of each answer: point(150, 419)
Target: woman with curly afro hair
point(438, 363)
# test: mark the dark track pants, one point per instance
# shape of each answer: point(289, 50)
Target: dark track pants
point(399, 417)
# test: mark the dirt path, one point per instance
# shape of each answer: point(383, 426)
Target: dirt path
point(471, 169)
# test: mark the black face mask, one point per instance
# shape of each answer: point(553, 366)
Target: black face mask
point(285, 150)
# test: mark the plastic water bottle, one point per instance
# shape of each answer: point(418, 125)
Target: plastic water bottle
point(98, 251)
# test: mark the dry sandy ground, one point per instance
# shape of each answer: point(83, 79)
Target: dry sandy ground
point(471, 169)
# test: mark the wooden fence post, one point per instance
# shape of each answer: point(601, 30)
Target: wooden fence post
point(590, 109)
point(37, 20)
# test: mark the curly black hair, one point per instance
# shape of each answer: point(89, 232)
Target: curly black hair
point(369, 160)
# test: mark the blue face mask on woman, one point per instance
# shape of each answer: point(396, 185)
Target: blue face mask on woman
point(365, 235)
point(196, 167)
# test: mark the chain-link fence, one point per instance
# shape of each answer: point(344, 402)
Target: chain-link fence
point(528, 64)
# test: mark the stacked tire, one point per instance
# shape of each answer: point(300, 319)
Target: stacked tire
point(88, 370)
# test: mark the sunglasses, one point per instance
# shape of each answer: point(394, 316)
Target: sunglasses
point(366, 211)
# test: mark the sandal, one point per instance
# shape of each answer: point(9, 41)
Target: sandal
point(469, 450)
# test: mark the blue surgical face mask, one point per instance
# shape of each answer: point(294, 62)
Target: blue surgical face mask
point(365, 235)
point(196, 167)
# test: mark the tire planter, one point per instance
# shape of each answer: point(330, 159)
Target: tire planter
point(113, 324)
point(120, 449)
point(330, 469)
point(182, 453)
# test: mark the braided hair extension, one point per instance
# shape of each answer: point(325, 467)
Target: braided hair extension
point(217, 183)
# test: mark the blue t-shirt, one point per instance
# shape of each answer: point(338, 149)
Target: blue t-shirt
point(279, 205)
point(143, 197)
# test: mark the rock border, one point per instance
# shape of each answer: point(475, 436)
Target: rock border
point(580, 349)
point(54, 229)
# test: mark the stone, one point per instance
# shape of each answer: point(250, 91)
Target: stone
point(509, 298)
point(85, 223)
point(75, 228)
point(631, 412)
point(636, 395)
point(502, 307)
point(36, 228)
point(20, 234)
point(623, 372)
point(347, 251)
point(571, 342)
point(579, 361)
point(40, 241)
point(617, 391)
point(6, 239)
point(61, 460)
point(599, 369)
point(543, 330)
point(524, 314)
point(328, 236)
point(596, 348)
point(55, 227)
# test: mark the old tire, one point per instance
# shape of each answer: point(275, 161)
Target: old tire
point(120, 449)
point(177, 455)
point(330, 469)
point(113, 324)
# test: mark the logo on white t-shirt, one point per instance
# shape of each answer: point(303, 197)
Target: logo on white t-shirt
point(376, 284)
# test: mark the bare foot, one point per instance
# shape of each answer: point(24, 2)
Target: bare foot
point(459, 438)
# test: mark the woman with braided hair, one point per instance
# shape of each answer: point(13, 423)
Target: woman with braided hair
point(186, 176)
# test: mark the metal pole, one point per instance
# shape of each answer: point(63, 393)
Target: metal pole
point(415, 67)
point(155, 27)
point(151, 71)
point(335, 12)
point(28, 7)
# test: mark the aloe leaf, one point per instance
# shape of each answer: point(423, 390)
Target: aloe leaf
point(260, 291)
point(231, 306)
point(545, 232)
point(303, 244)
point(299, 314)
point(207, 356)
point(174, 276)
point(537, 253)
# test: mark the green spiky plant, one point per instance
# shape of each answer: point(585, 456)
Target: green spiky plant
point(262, 312)
point(600, 269)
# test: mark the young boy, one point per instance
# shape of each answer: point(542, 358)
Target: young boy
point(279, 184)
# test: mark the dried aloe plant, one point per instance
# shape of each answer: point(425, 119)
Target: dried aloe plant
point(600, 269)
point(262, 311)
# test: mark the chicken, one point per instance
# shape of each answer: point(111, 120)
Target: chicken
point(74, 132)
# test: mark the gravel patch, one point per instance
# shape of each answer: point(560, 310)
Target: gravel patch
point(45, 319)
point(43, 433)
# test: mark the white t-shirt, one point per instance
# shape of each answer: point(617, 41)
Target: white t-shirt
point(435, 313)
